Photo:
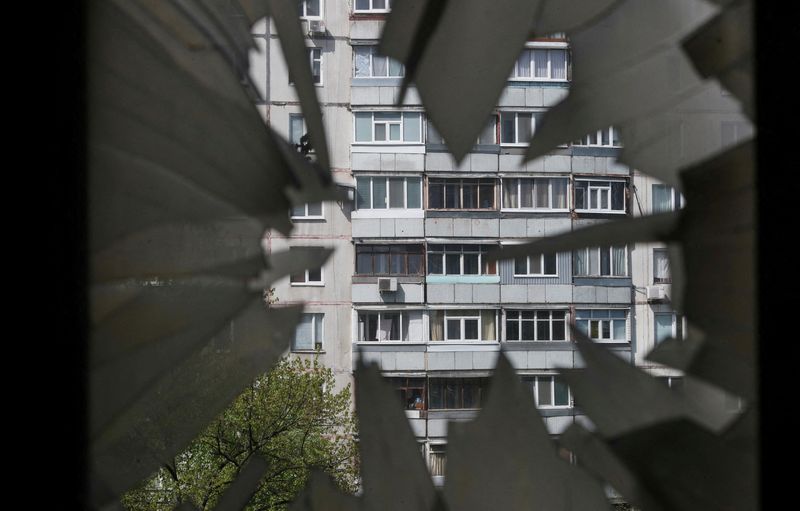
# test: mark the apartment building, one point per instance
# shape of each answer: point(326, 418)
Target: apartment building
point(409, 286)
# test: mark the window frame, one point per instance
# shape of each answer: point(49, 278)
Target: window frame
point(481, 251)
point(373, 123)
point(463, 315)
point(516, 114)
point(372, 179)
point(550, 320)
point(599, 256)
point(678, 322)
point(542, 265)
point(315, 316)
point(516, 77)
point(371, 9)
point(459, 183)
point(675, 201)
point(303, 4)
point(307, 216)
point(373, 51)
point(506, 184)
point(482, 384)
point(306, 277)
point(363, 249)
point(403, 314)
point(612, 322)
point(533, 382)
point(594, 187)
point(661, 280)
point(612, 133)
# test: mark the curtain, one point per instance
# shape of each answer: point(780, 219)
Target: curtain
point(378, 65)
point(580, 262)
point(540, 63)
point(661, 270)
point(303, 335)
point(559, 193)
point(510, 199)
point(558, 61)
point(662, 198)
point(542, 192)
point(361, 59)
point(618, 261)
point(437, 326)
point(526, 192)
point(524, 64)
point(488, 325)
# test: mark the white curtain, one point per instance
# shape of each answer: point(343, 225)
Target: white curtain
point(558, 63)
point(524, 64)
point(540, 63)
point(488, 325)
point(361, 58)
point(303, 335)
point(580, 262)
point(661, 270)
point(510, 199)
point(618, 261)
point(437, 326)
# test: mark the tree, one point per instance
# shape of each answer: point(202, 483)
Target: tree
point(290, 416)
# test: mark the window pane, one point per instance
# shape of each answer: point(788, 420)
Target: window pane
point(453, 329)
point(521, 266)
point(363, 127)
point(619, 268)
point(380, 132)
point(558, 63)
point(318, 318)
point(312, 7)
point(414, 187)
point(361, 55)
point(453, 264)
point(528, 330)
point(379, 65)
point(523, 128)
point(618, 196)
point(580, 263)
point(435, 194)
point(526, 192)
point(398, 264)
point(433, 136)
point(471, 329)
point(471, 264)
point(379, 4)
point(663, 326)
point(363, 262)
point(315, 275)
point(545, 389)
point(394, 132)
point(303, 334)
point(363, 193)
point(452, 197)
point(389, 327)
point(299, 210)
point(524, 64)
point(510, 198)
point(435, 264)
point(412, 127)
point(540, 63)
point(381, 262)
point(379, 193)
point(314, 209)
point(486, 194)
point(550, 265)
point(470, 195)
point(580, 194)
point(396, 192)
point(543, 330)
point(296, 129)
point(451, 395)
point(507, 128)
point(594, 266)
point(559, 327)
point(541, 192)
point(661, 266)
point(436, 401)
point(662, 198)
point(471, 394)
point(395, 68)
point(512, 329)
point(619, 330)
point(561, 392)
point(605, 261)
point(488, 134)
point(414, 264)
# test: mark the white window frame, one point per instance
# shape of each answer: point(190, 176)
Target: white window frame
point(356, 10)
point(678, 326)
point(491, 127)
point(443, 254)
point(665, 252)
point(541, 258)
point(505, 182)
point(517, 142)
point(585, 141)
point(436, 446)
point(535, 387)
point(600, 321)
point(304, 128)
point(597, 189)
point(306, 215)
point(373, 50)
point(403, 314)
point(315, 317)
point(388, 123)
point(462, 317)
point(304, 9)
point(516, 77)
point(676, 199)
point(519, 320)
point(312, 59)
point(307, 281)
point(388, 203)
point(600, 274)
point(459, 182)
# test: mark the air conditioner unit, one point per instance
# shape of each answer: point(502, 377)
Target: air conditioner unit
point(316, 27)
point(655, 293)
point(386, 284)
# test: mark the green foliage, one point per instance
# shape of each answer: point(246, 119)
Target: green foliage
point(291, 417)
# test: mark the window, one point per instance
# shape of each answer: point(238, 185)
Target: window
point(388, 192)
point(549, 391)
point(541, 64)
point(309, 333)
point(517, 128)
point(536, 266)
point(437, 459)
point(602, 325)
point(487, 137)
point(665, 198)
point(297, 128)
point(606, 137)
point(460, 260)
point(600, 262)
point(388, 127)
point(535, 325)
point(463, 325)
point(372, 6)
point(368, 63)
point(315, 60)
point(461, 193)
point(661, 273)
point(535, 193)
point(389, 260)
point(381, 326)
point(310, 8)
point(312, 277)
point(311, 210)
point(668, 326)
point(456, 393)
point(411, 392)
point(600, 196)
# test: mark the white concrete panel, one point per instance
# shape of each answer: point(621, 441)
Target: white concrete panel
point(558, 293)
point(439, 161)
point(557, 359)
point(536, 293)
point(410, 162)
point(484, 162)
point(555, 226)
point(557, 163)
point(441, 360)
point(537, 359)
point(557, 425)
point(463, 293)
point(533, 96)
point(366, 161)
point(439, 227)
point(584, 294)
point(364, 95)
point(513, 293)
point(463, 360)
point(410, 361)
point(510, 162)
point(437, 428)
point(536, 227)
point(388, 361)
point(484, 359)
point(485, 293)
point(387, 161)
point(387, 228)
point(441, 293)
point(409, 227)
point(366, 227)
point(552, 96)
point(513, 228)
point(518, 359)
point(619, 295)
